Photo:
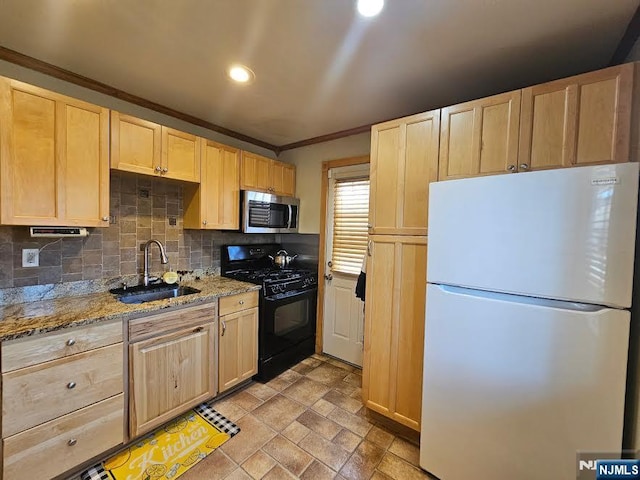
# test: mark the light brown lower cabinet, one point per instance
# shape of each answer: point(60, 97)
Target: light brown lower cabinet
point(170, 373)
point(238, 339)
point(62, 399)
point(54, 447)
point(394, 327)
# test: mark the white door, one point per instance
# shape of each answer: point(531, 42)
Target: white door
point(346, 243)
point(515, 386)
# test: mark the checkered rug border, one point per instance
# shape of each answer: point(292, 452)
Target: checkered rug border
point(97, 472)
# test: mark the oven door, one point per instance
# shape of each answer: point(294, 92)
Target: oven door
point(286, 322)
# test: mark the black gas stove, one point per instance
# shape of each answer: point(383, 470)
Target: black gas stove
point(277, 283)
point(287, 321)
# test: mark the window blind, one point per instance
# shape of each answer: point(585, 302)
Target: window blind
point(350, 219)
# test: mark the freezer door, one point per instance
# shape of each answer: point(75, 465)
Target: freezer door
point(567, 234)
point(514, 389)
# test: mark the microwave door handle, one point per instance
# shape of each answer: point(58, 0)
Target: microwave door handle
point(290, 216)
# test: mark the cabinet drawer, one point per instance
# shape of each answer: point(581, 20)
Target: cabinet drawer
point(25, 352)
point(37, 394)
point(154, 325)
point(61, 444)
point(235, 303)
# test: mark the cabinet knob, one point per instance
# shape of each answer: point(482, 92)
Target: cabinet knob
point(165, 170)
point(524, 166)
point(198, 329)
point(241, 302)
point(72, 442)
point(224, 328)
point(158, 169)
point(105, 219)
point(204, 222)
point(71, 385)
point(71, 342)
point(511, 168)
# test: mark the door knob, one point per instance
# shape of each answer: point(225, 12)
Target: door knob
point(328, 276)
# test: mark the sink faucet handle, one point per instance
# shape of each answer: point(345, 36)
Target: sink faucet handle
point(124, 285)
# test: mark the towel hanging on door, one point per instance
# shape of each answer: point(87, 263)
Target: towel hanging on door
point(362, 280)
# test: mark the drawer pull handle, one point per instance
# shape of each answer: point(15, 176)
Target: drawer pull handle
point(71, 342)
point(241, 302)
point(71, 385)
point(198, 329)
point(72, 442)
point(224, 328)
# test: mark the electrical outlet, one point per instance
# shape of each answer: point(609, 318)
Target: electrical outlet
point(30, 257)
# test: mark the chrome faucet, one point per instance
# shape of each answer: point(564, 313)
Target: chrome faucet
point(163, 259)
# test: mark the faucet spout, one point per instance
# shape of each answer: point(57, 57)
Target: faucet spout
point(163, 259)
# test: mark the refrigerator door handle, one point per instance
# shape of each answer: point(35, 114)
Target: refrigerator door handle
point(514, 298)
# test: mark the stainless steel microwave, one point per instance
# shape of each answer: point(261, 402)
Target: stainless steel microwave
point(269, 213)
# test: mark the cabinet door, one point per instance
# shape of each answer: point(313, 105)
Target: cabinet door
point(170, 374)
point(283, 177)
point(579, 120)
point(404, 160)
point(289, 180)
point(135, 144)
point(256, 172)
point(394, 327)
point(238, 344)
point(215, 203)
point(84, 141)
point(180, 155)
point(54, 158)
point(480, 137)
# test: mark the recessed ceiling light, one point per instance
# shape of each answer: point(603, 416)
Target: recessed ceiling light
point(370, 8)
point(241, 74)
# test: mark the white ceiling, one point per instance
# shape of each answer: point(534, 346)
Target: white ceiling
point(320, 68)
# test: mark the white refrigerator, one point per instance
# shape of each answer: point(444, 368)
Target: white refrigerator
point(527, 322)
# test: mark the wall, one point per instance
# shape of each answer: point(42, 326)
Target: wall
point(308, 162)
point(143, 208)
point(634, 54)
point(305, 246)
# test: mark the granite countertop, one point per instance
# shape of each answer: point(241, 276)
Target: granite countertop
point(25, 319)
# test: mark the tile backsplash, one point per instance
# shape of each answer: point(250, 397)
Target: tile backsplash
point(141, 208)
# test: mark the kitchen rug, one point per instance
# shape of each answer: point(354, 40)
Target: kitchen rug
point(169, 451)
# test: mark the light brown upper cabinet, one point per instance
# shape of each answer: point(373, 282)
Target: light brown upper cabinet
point(140, 146)
point(394, 327)
point(404, 160)
point(480, 137)
point(54, 158)
point(577, 121)
point(215, 202)
point(266, 175)
point(283, 178)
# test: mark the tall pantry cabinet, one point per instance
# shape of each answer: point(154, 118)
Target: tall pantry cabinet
point(404, 160)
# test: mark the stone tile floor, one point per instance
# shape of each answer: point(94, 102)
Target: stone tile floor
point(307, 423)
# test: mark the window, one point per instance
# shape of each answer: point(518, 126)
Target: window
point(350, 219)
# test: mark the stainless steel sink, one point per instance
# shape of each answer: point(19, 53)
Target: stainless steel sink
point(142, 294)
